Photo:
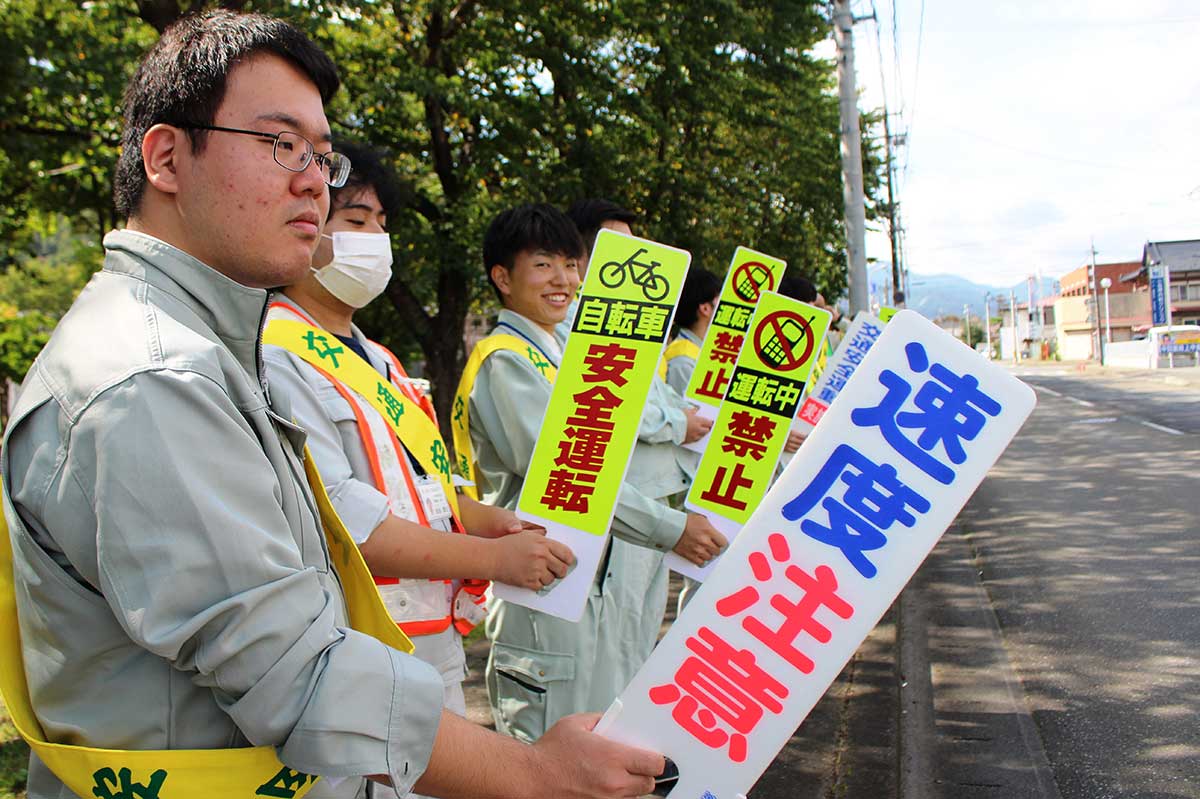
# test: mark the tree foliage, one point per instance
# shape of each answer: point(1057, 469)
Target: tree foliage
point(709, 118)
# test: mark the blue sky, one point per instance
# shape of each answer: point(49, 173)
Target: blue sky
point(1034, 126)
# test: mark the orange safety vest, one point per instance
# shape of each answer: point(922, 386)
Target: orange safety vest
point(419, 606)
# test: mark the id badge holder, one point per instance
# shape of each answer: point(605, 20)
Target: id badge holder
point(434, 502)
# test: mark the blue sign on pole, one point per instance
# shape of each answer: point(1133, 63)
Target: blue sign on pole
point(1158, 294)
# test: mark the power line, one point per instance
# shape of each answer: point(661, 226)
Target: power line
point(1037, 154)
point(916, 84)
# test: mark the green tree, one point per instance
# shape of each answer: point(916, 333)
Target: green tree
point(711, 119)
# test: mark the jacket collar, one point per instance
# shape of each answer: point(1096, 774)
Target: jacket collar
point(235, 313)
point(548, 343)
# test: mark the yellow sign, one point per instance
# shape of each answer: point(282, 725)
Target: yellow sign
point(886, 313)
point(750, 274)
point(591, 423)
point(783, 342)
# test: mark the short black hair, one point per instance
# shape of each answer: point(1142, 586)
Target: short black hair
point(590, 215)
point(182, 81)
point(369, 169)
point(798, 287)
point(528, 227)
point(700, 287)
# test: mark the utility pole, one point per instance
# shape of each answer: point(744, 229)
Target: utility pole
point(852, 170)
point(1097, 338)
point(967, 325)
point(1012, 312)
point(897, 284)
point(987, 321)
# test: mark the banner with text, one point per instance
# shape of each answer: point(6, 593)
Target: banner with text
point(783, 342)
point(836, 539)
point(591, 424)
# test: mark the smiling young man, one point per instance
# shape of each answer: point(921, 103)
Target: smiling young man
point(541, 667)
point(173, 583)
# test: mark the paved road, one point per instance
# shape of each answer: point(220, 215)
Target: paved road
point(1087, 533)
point(1158, 399)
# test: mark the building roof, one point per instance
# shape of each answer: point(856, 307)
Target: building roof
point(1178, 256)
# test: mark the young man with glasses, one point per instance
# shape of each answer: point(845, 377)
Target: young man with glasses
point(172, 581)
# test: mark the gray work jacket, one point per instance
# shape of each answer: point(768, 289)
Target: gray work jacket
point(173, 583)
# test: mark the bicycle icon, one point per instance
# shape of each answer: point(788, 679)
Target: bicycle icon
point(654, 286)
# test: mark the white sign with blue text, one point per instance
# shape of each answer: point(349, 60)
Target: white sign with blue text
point(905, 444)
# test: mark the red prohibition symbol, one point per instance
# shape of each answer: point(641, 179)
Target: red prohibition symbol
point(750, 279)
point(784, 340)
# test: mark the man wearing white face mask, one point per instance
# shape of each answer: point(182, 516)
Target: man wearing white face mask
point(375, 441)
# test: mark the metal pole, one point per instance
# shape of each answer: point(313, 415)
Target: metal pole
point(1096, 338)
point(987, 321)
point(897, 285)
point(852, 170)
point(967, 325)
point(1107, 318)
point(1012, 312)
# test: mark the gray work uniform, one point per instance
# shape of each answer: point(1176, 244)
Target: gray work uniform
point(338, 450)
point(679, 374)
point(172, 580)
point(542, 668)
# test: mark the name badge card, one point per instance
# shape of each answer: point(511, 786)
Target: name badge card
point(903, 447)
point(750, 274)
point(752, 424)
point(591, 423)
point(861, 334)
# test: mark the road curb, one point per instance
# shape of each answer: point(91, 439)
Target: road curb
point(966, 731)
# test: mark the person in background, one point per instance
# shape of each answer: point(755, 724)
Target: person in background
point(541, 667)
point(371, 454)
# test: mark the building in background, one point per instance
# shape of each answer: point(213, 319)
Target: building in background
point(1182, 259)
point(1081, 316)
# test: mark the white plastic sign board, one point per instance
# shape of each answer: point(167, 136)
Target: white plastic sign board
point(905, 445)
point(861, 334)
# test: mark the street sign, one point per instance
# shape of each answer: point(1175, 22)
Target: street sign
point(591, 423)
point(752, 423)
point(1158, 294)
point(844, 528)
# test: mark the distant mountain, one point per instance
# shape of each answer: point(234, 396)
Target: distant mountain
point(945, 295)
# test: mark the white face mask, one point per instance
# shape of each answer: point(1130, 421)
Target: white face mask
point(360, 269)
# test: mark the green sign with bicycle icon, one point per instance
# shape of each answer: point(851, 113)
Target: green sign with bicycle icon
point(750, 274)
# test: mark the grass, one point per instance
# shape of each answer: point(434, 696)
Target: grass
point(14, 759)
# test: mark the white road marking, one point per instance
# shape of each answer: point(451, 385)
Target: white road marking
point(1084, 403)
point(1163, 428)
point(1096, 420)
point(1049, 391)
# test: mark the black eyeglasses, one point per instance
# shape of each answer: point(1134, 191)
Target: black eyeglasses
point(293, 152)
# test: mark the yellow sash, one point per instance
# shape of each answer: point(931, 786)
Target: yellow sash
point(460, 421)
point(245, 773)
point(679, 347)
point(416, 431)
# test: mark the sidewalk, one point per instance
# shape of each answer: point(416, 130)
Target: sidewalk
point(928, 708)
